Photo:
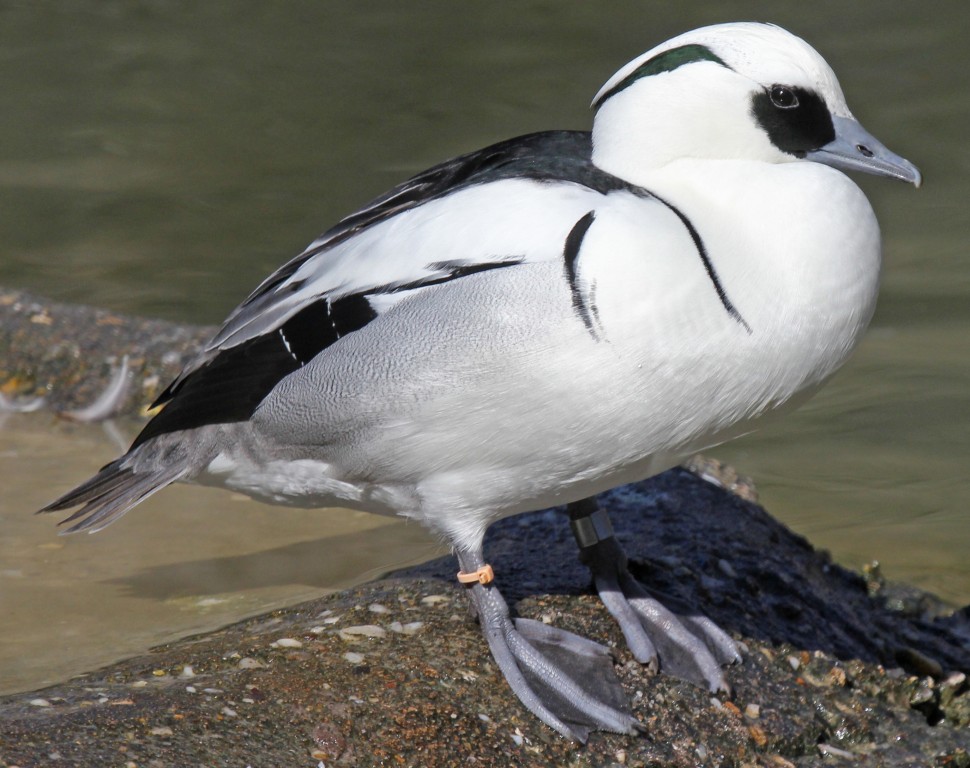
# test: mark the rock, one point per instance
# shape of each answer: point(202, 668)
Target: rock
point(817, 683)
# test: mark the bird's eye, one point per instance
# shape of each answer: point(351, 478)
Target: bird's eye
point(783, 97)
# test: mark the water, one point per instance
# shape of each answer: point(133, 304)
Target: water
point(161, 157)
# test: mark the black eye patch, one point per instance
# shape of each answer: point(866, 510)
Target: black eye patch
point(796, 119)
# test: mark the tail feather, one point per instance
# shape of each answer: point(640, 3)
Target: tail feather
point(110, 494)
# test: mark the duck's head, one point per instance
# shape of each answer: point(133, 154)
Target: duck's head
point(733, 91)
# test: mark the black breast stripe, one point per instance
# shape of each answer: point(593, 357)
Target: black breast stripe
point(574, 241)
point(706, 261)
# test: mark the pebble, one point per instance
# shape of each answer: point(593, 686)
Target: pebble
point(40, 703)
point(837, 676)
point(752, 711)
point(378, 608)
point(287, 642)
point(827, 750)
point(247, 662)
point(795, 662)
point(187, 672)
point(405, 629)
point(162, 730)
point(955, 680)
point(361, 630)
point(435, 599)
point(354, 658)
point(229, 712)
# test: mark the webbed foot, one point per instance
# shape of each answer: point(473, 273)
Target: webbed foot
point(565, 680)
point(663, 635)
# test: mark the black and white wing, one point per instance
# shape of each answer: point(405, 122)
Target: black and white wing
point(501, 206)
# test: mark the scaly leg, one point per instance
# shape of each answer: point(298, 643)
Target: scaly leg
point(567, 681)
point(682, 643)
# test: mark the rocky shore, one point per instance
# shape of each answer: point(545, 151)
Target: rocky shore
point(839, 668)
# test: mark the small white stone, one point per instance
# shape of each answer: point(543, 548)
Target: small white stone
point(354, 658)
point(795, 662)
point(40, 703)
point(378, 608)
point(247, 662)
point(361, 630)
point(187, 672)
point(435, 599)
point(752, 711)
point(161, 730)
point(405, 629)
point(139, 684)
point(191, 689)
point(229, 712)
point(287, 642)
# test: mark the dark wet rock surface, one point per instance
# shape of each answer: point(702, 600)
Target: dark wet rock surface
point(67, 353)
point(839, 668)
point(396, 673)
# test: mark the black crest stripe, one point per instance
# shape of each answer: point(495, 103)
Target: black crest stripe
point(667, 61)
point(574, 241)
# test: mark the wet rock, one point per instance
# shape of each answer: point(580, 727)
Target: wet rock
point(823, 686)
point(68, 354)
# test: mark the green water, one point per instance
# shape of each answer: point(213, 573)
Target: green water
point(161, 157)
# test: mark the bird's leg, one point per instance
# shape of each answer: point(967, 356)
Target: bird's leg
point(567, 681)
point(679, 641)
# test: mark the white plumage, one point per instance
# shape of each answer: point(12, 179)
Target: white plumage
point(544, 319)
